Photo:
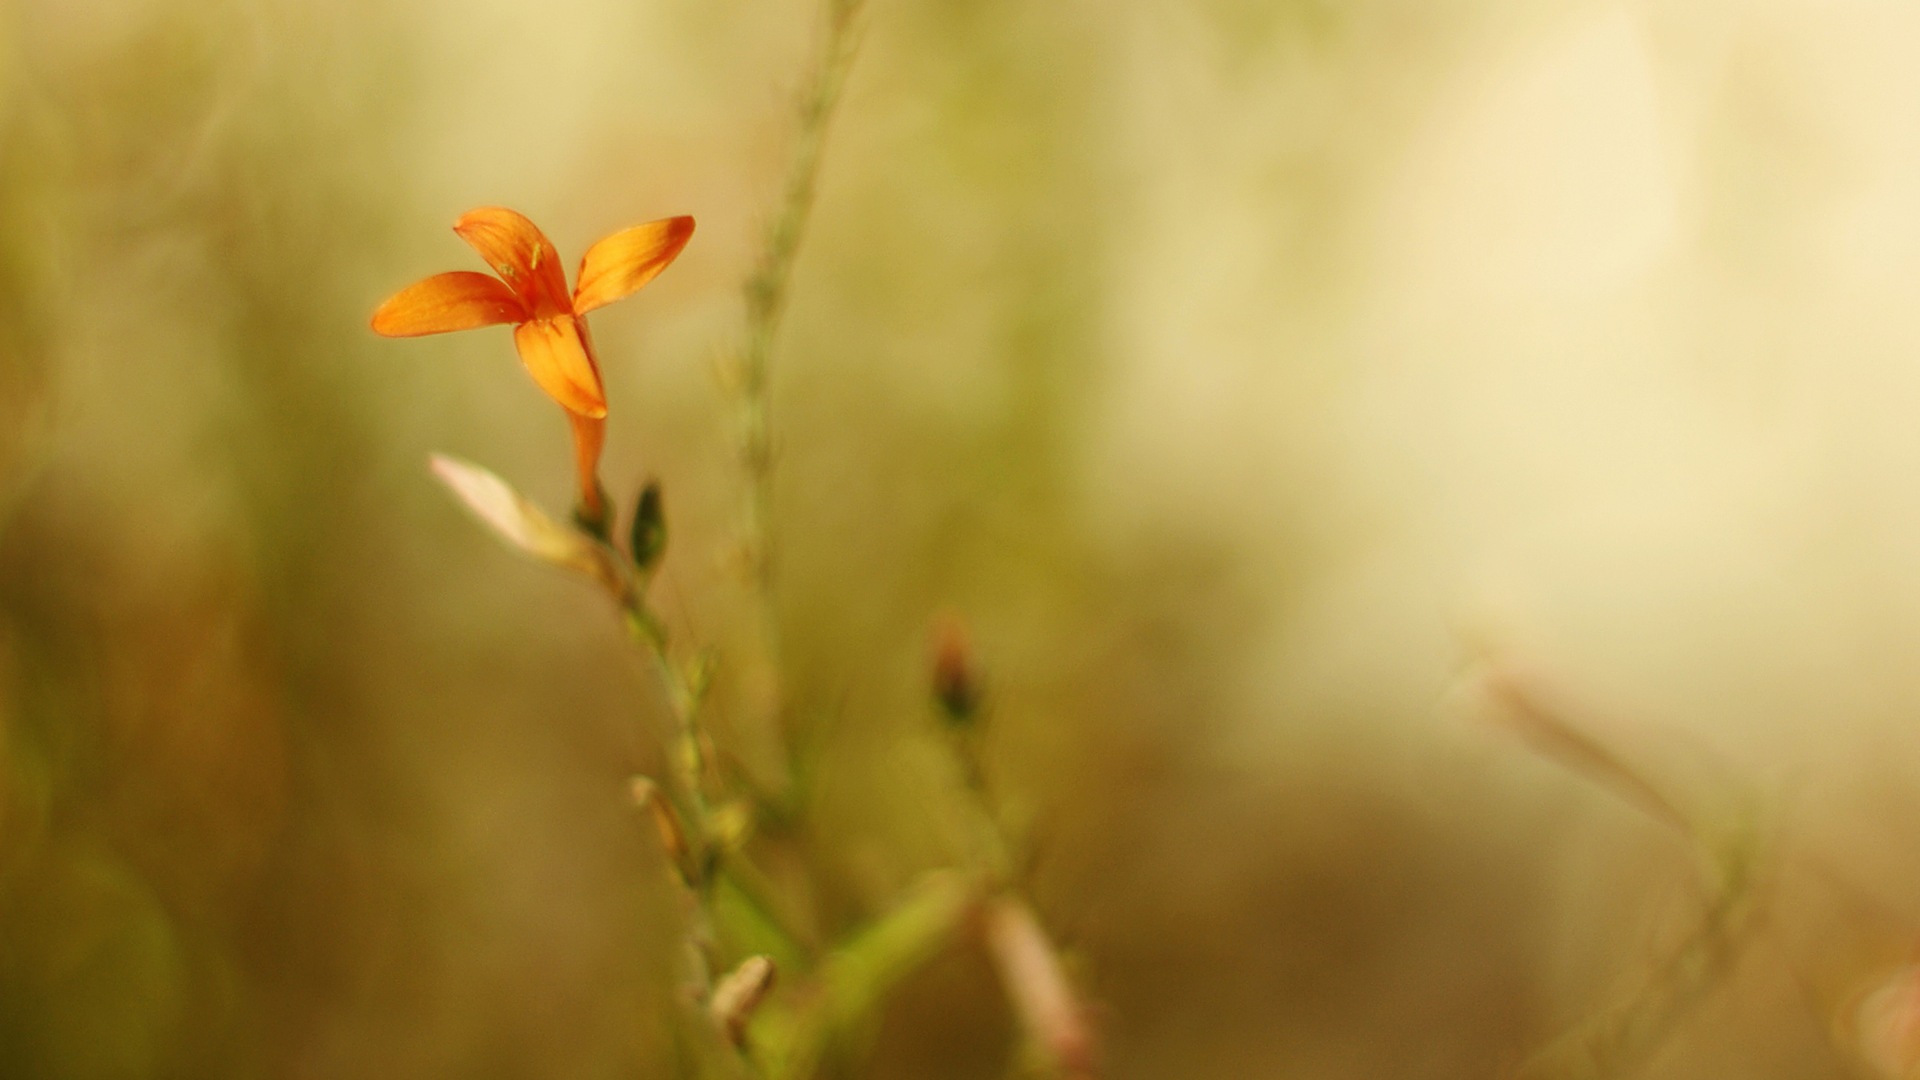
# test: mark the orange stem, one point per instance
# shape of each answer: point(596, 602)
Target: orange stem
point(589, 435)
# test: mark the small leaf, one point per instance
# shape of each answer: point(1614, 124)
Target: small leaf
point(528, 528)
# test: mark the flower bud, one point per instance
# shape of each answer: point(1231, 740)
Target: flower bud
point(739, 994)
point(673, 837)
point(956, 680)
point(730, 826)
point(649, 538)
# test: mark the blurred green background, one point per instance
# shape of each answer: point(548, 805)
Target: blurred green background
point(1223, 363)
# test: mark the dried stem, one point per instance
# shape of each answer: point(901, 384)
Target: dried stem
point(1619, 1039)
point(1037, 986)
point(1530, 711)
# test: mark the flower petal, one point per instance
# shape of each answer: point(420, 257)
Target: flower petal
point(460, 300)
point(521, 254)
point(621, 263)
point(559, 356)
point(526, 527)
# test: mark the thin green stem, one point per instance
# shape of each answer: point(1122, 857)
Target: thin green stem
point(1037, 988)
point(854, 979)
point(691, 755)
point(765, 292)
point(683, 700)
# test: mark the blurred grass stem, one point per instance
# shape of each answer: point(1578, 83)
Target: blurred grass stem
point(766, 293)
point(1530, 711)
point(691, 757)
point(1621, 1038)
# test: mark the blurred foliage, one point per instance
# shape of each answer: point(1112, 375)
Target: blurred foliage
point(1112, 333)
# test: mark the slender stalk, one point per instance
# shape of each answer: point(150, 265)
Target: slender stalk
point(1042, 997)
point(691, 759)
point(765, 294)
point(1621, 1039)
point(709, 870)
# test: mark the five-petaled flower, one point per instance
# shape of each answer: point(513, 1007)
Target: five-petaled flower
point(548, 325)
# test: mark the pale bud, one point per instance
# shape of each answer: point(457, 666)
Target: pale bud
point(673, 838)
point(739, 994)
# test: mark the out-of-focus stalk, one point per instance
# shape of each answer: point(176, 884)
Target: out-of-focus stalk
point(766, 292)
point(1621, 1037)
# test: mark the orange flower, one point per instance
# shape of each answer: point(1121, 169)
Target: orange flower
point(548, 325)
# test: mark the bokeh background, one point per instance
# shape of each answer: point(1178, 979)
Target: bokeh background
point(1235, 368)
